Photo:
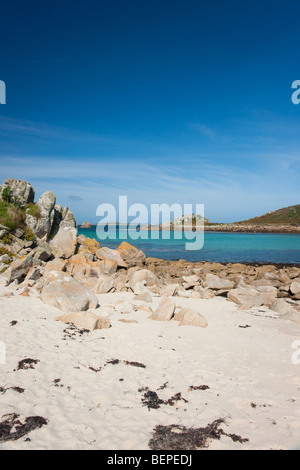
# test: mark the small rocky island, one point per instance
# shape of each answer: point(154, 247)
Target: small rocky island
point(86, 225)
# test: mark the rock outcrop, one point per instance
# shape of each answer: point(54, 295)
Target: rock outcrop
point(21, 190)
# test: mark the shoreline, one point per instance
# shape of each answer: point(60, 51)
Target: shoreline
point(224, 228)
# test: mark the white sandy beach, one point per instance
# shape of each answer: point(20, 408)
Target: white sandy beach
point(252, 381)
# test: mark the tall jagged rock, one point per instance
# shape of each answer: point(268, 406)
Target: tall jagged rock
point(64, 233)
point(46, 204)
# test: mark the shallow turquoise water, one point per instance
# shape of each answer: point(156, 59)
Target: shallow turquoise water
point(218, 247)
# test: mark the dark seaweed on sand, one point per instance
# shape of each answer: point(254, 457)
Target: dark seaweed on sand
point(12, 429)
point(176, 437)
point(26, 364)
point(152, 400)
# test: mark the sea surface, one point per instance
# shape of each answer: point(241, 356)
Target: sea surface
point(218, 247)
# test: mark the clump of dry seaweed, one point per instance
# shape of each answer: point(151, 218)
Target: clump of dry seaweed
point(12, 428)
point(177, 437)
point(152, 400)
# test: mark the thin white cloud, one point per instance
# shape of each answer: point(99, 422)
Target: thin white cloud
point(203, 130)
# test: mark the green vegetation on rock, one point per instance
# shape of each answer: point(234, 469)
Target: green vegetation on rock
point(4, 251)
point(13, 217)
point(33, 210)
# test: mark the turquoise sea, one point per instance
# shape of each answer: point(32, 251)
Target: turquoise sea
point(218, 247)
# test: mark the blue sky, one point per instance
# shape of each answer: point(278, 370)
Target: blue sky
point(162, 101)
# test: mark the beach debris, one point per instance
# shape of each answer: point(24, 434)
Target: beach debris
point(175, 437)
point(152, 400)
point(15, 389)
point(128, 363)
point(26, 364)
point(162, 387)
point(135, 364)
point(113, 362)
point(71, 332)
point(12, 428)
point(95, 370)
point(198, 387)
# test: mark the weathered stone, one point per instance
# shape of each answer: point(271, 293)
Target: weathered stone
point(141, 289)
point(5, 292)
point(216, 283)
point(31, 222)
point(282, 307)
point(295, 288)
point(247, 297)
point(103, 323)
point(190, 317)
point(142, 276)
point(123, 307)
point(19, 269)
point(33, 275)
point(3, 230)
point(87, 245)
point(261, 283)
point(56, 264)
point(21, 190)
point(268, 295)
point(190, 281)
point(107, 253)
point(46, 204)
point(131, 255)
point(145, 297)
point(204, 293)
point(104, 285)
point(67, 294)
point(42, 252)
point(63, 219)
point(85, 321)
point(5, 259)
point(181, 292)
point(165, 310)
point(169, 290)
point(64, 243)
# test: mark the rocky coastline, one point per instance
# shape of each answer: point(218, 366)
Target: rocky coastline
point(56, 260)
point(105, 348)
